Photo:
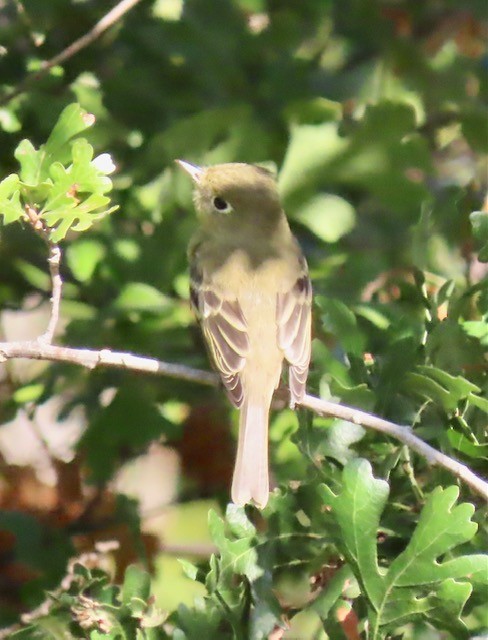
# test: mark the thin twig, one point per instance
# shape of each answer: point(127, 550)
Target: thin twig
point(54, 261)
point(75, 47)
point(36, 350)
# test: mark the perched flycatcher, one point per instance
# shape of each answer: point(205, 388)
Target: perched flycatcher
point(252, 294)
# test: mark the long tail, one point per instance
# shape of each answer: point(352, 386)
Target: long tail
point(251, 478)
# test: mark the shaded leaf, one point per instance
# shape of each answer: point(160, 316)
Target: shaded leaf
point(479, 223)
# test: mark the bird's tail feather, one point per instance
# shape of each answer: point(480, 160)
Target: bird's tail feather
point(251, 478)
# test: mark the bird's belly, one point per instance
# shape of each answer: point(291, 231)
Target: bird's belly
point(256, 291)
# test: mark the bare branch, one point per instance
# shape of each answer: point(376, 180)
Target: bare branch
point(403, 434)
point(38, 350)
point(75, 47)
point(90, 358)
point(54, 261)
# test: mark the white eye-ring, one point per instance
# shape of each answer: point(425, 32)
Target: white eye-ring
point(221, 205)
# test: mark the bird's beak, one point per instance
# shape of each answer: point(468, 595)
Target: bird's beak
point(195, 171)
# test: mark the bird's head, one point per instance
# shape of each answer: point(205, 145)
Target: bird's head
point(234, 192)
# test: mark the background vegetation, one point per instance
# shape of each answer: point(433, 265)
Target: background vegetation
point(374, 113)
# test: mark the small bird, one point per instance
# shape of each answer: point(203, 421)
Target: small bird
point(252, 296)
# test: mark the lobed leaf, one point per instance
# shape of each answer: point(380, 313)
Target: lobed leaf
point(422, 580)
point(440, 387)
point(62, 180)
point(357, 511)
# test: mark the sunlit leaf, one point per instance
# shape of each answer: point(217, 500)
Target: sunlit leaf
point(328, 216)
point(83, 258)
point(416, 583)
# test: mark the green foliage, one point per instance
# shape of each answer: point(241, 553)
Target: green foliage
point(61, 180)
point(479, 222)
point(415, 584)
point(374, 115)
point(89, 606)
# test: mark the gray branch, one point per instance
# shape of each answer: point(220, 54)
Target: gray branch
point(39, 350)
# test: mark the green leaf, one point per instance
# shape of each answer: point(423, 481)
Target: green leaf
point(373, 315)
point(440, 528)
point(141, 296)
point(479, 401)
point(460, 442)
point(83, 258)
point(30, 160)
point(416, 583)
point(479, 223)
point(339, 320)
point(332, 592)
point(34, 276)
point(52, 627)
point(72, 121)
point(198, 623)
point(338, 438)
point(477, 329)
point(236, 555)
point(357, 511)
point(238, 522)
point(61, 179)
point(310, 147)
point(457, 385)
point(360, 396)
point(28, 393)
point(8, 186)
point(189, 569)
point(77, 198)
point(35, 163)
point(11, 208)
point(137, 584)
point(328, 216)
point(439, 386)
point(313, 111)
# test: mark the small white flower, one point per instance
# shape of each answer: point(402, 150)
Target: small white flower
point(104, 163)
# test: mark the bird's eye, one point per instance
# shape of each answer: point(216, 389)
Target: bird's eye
point(221, 205)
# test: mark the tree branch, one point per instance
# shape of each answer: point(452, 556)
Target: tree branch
point(403, 434)
point(91, 358)
point(39, 350)
point(75, 47)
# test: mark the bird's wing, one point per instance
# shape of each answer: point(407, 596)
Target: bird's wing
point(294, 318)
point(225, 329)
